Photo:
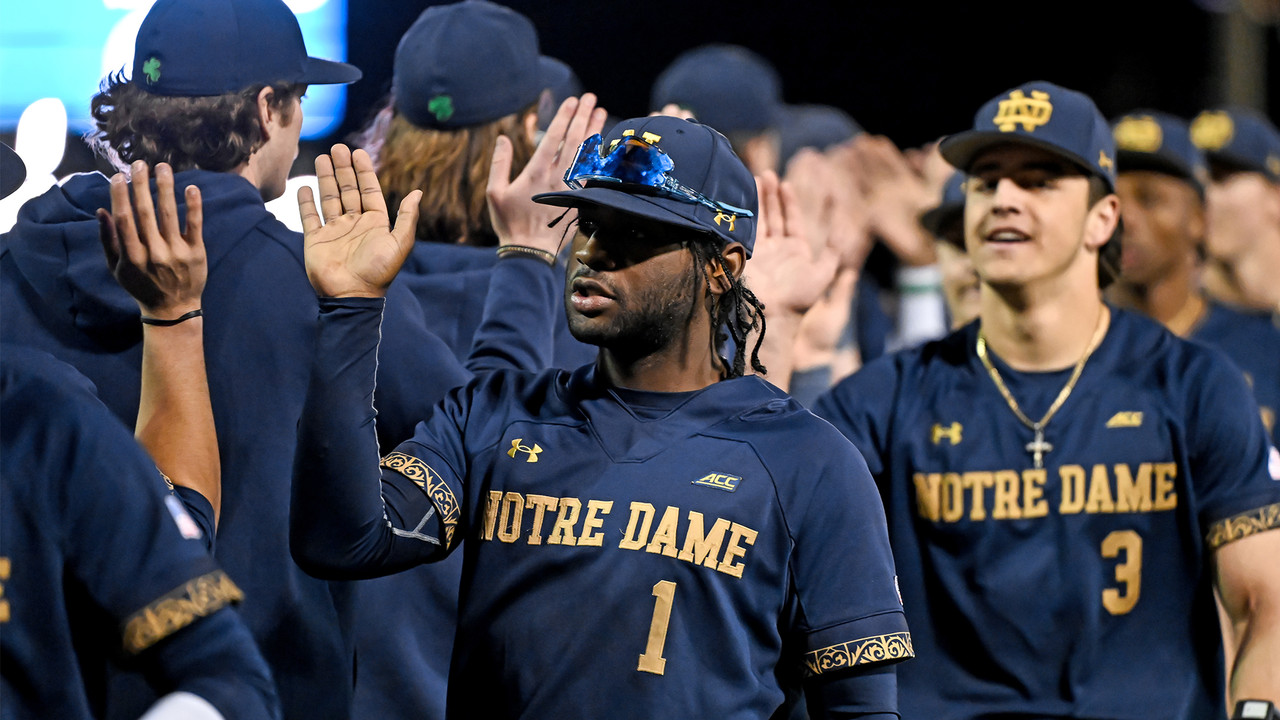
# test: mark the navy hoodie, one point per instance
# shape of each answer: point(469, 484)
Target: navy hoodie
point(57, 294)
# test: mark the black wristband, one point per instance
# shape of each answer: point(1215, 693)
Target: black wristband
point(166, 323)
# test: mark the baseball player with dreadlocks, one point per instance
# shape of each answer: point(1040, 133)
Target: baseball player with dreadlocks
point(649, 535)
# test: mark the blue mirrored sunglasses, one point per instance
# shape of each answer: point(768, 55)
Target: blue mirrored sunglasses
point(632, 161)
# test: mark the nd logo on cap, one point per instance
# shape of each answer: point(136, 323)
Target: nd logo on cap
point(1140, 133)
point(1030, 112)
point(1212, 130)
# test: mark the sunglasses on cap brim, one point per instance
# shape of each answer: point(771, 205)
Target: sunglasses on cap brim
point(633, 162)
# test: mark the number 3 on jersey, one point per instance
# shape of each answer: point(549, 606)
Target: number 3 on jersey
point(651, 660)
point(1128, 573)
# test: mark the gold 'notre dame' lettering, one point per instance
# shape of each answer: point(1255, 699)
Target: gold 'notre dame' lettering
point(1012, 495)
point(540, 505)
point(699, 547)
point(591, 535)
point(562, 530)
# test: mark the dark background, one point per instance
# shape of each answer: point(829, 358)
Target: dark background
point(909, 70)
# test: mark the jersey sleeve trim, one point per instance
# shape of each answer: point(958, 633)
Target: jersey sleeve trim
point(179, 608)
point(866, 651)
point(1243, 525)
point(429, 480)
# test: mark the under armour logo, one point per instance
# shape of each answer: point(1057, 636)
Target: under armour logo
point(518, 446)
point(1030, 112)
point(953, 433)
point(1104, 161)
point(726, 216)
point(1126, 419)
point(651, 138)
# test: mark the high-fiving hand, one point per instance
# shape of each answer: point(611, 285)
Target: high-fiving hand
point(516, 218)
point(355, 251)
point(163, 268)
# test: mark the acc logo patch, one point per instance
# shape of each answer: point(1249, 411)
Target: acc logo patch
point(1138, 133)
point(1029, 112)
point(719, 481)
point(1125, 419)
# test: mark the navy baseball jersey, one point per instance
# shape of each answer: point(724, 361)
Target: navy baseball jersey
point(1081, 589)
point(645, 554)
point(1252, 341)
point(100, 565)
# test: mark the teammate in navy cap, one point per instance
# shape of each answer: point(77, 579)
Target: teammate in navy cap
point(651, 535)
point(1067, 484)
point(1161, 186)
point(215, 93)
point(466, 74)
point(100, 564)
point(732, 89)
point(1243, 205)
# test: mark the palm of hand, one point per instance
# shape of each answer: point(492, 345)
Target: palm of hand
point(352, 254)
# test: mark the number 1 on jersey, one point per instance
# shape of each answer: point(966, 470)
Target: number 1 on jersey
point(651, 660)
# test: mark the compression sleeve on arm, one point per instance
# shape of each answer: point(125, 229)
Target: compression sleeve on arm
point(871, 694)
point(339, 526)
point(524, 301)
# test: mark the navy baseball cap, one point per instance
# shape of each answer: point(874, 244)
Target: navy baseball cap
point(728, 87)
point(469, 63)
point(1040, 114)
point(949, 210)
point(1239, 138)
point(1152, 140)
point(195, 48)
point(12, 171)
point(814, 126)
point(702, 161)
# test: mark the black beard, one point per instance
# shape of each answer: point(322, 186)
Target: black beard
point(650, 320)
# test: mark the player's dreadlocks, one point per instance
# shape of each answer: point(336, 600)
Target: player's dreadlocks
point(738, 312)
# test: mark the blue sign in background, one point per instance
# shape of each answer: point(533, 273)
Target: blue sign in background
point(63, 48)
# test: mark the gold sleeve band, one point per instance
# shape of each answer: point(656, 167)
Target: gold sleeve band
point(1243, 525)
point(429, 480)
point(179, 608)
point(867, 651)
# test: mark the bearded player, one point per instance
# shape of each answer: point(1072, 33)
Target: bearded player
point(653, 534)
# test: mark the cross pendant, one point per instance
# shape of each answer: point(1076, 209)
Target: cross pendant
point(1038, 447)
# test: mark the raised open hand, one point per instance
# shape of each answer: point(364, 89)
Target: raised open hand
point(354, 252)
point(163, 268)
point(516, 218)
point(785, 272)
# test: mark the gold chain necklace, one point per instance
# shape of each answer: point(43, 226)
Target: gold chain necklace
point(1038, 447)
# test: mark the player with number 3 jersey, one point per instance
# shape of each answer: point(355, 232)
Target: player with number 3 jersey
point(1067, 484)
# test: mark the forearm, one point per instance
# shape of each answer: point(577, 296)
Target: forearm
point(175, 416)
point(1255, 672)
point(339, 526)
point(777, 352)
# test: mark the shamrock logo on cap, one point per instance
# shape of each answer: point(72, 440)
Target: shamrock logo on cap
point(442, 107)
point(151, 68)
